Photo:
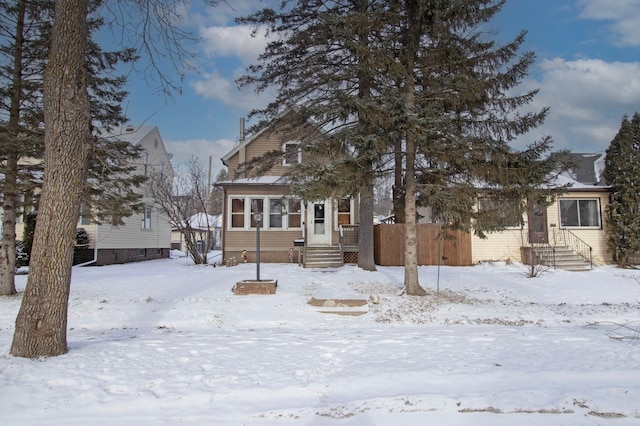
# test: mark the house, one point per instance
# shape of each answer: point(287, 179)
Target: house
point(573, 226)
point(570, 233)
point(143, 236)
point(206, 229)
point(320, 232)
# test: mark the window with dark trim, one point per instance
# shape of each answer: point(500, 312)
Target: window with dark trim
point(583, 213)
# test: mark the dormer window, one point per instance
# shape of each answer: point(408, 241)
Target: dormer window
point(292, 154)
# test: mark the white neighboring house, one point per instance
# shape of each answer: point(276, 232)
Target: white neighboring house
point(207, 229)
point(145, 235)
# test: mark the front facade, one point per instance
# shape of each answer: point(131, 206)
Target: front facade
point(286, 223)
point(575, 220)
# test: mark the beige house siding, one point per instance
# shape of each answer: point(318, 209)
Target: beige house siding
point(506, 245)
point(500, 246)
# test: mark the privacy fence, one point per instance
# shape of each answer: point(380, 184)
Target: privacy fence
point(452, 248)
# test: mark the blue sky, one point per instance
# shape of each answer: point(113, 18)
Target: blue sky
point(587, 70)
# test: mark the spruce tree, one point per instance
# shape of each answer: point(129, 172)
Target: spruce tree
point(324, 67)
point(416, 84)
point(622, 173)
point(110, 193)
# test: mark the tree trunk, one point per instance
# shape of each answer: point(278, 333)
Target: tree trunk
point(8, 247)
point(41, 324)
point(411, 282)
point(10, 186)
point(398, 186)
point(366, 259)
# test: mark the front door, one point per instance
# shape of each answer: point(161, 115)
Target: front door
point(318, 223)
point(538, 231)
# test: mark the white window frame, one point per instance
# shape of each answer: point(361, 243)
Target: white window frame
point(146, 218)
point(351, 212)
point(285, 157)
point(266, 219)
point(578, 200)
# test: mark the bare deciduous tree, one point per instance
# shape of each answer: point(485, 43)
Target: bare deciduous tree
point(181, 199)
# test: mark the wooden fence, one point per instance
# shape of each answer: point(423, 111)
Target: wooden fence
point(454, 249)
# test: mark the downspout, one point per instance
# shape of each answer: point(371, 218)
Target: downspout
point(95, 250)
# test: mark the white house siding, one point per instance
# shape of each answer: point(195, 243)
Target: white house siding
point(596, 238)
point(506, 245)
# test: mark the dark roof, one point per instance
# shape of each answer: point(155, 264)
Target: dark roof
point(588, 168)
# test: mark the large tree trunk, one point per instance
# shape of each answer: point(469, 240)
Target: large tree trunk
point(366, 259)
point(41, 325)
point(411, 282)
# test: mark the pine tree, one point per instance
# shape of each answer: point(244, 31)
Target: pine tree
point(415, 83)
point(456, 120)
point(622, 173)
point(324, 67)
point(110, 193)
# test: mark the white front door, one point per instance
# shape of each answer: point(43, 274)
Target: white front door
point(319, 223)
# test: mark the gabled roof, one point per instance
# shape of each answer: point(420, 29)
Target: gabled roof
point(588, 168)
point(131, 134)
point(242, 142)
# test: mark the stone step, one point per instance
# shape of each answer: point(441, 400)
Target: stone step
point(345, 307)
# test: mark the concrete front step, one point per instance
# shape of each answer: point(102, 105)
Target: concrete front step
point(565, 259)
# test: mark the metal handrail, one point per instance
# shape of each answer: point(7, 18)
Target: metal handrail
point(578, 245)
point(341, 241)
point(546, 246)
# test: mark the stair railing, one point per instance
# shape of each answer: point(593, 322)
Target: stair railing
point(341, 241)
point(538, 248)
point(571, 240)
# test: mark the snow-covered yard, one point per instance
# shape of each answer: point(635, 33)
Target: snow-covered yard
point(165, 342)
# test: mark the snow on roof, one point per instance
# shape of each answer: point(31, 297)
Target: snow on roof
point(262, 180)
point(131, 134)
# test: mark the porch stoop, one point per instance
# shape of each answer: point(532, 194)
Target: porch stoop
point(323, 257)
point(565, 258)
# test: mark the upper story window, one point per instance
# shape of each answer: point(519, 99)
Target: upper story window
point(146, 164)
point(580, 212)
point(146, 218)
point(85, 215)
point(292, 154)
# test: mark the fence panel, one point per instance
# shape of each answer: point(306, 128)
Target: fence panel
point(454, 249)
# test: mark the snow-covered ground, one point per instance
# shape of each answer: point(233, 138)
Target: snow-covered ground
point(165, 342)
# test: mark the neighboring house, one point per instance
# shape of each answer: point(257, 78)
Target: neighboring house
point(143, 236)
point(286, 221)
point(207, 230)
point(574, 223)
